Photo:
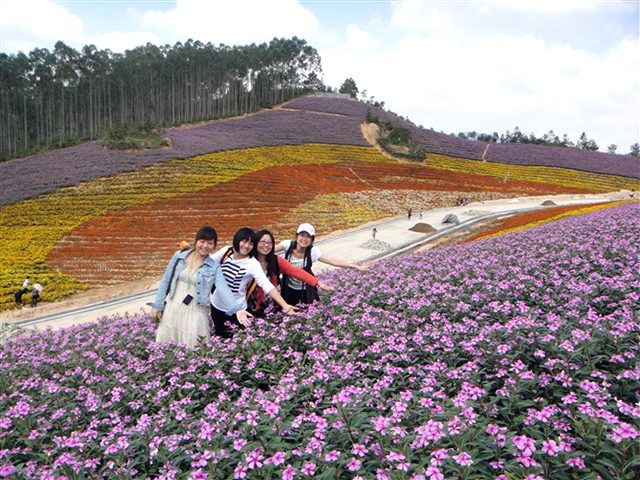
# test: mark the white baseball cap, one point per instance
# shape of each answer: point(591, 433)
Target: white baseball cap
point(308, 228)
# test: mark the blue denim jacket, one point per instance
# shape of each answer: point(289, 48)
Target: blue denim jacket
point(208, 273)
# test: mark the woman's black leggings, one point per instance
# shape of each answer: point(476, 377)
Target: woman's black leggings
point(222, 321)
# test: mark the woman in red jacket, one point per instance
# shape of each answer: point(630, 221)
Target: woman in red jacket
point(273, 265)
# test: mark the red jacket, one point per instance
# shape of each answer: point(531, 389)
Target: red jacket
point(290, 270)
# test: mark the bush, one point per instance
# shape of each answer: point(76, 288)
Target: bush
point(146, 135)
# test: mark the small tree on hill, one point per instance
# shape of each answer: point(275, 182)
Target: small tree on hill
point(585, 144)
point(635, 150)
point(349, 86)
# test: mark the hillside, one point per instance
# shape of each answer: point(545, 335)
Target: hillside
point(310, 119)
point(84, 216)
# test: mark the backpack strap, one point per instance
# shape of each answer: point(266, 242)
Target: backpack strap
point(250, 288)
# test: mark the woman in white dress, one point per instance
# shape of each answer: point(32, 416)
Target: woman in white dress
point(182, 300)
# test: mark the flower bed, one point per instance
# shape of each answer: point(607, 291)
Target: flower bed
point(43, 173)
point(547, 175)
point(92, 233)
point(30, 229)
point(514, 357)
point(574, 158)
point(536, 218)
point(508, 153)
point(113, 248)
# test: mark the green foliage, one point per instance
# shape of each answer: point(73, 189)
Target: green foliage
point(349, 86)
point(147, 135)
point(396, 140)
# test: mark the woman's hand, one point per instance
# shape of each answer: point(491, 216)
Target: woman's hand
point(323, 286)
point(244, 317)
point(156, 315)
point(361, 268)
point(290, 309)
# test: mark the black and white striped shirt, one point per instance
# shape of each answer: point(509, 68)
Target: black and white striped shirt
point(238, 274)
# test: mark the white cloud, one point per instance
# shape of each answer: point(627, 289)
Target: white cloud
point(544, 6)
point(232, 23)
point(29, 23)
point(494, 83)
point(358, 39)
point(419, 16)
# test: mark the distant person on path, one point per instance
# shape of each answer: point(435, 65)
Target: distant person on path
point(302, 253)
point(274, 265)
point(409, 214)
point(374, 232)
point(35, 294)
point(239, 269)
point(18, 296)
point(182, 300)
point(421, 214)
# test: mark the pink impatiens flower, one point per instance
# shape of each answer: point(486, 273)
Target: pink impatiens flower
point(463, 459)
point(551, 447)
point(354, 465)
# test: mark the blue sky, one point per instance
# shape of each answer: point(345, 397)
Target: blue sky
point(566, 65)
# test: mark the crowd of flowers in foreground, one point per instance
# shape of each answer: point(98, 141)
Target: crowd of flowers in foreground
point(509, 358)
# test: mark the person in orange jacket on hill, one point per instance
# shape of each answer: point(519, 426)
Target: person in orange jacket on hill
point(273, 265)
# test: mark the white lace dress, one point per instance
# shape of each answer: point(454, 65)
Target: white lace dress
point(183, 323)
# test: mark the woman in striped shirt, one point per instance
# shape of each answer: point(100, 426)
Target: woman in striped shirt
point(239, 269)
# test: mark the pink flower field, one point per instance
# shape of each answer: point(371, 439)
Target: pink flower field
point(514, 357)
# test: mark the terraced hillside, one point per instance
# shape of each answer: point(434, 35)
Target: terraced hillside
point(510, 154)
point(84, 216)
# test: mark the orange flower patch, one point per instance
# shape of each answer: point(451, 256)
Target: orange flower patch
point(137, 242)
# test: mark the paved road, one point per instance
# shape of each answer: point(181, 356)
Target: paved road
point(353, 245)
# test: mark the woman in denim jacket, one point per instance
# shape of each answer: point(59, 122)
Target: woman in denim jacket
point(182, 299)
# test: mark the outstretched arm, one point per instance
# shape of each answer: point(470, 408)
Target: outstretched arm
point(288, 309)
point(336, 262)
point(299, 274)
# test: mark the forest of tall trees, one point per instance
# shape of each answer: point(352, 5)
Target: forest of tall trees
point(55, 98)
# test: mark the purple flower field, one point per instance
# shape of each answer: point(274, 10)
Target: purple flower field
point(509, 358)
point(304, 120)
point(510, 153)
point(574, 158)
point(43, 173)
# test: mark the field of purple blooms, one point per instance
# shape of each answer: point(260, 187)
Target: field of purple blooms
point(310, 119)
point(510, 153)
point(45, 172)
point(509, 358)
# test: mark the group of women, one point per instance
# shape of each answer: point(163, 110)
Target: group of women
point(232, 284)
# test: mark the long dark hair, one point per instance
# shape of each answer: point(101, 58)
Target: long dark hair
point(306, 265)
point(272, 260)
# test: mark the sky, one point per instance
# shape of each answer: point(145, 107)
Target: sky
point(570, 66)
